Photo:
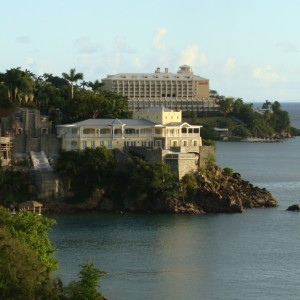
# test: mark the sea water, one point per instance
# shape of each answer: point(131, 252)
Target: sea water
point(253, 255)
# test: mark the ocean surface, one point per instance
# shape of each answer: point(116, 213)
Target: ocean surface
point(253, 255)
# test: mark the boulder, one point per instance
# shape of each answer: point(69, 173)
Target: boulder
point(294, 207)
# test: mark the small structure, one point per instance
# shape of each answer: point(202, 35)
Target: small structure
point(34, 206)
point(222, 132)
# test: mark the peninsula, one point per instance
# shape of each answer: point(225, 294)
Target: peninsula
point(76, 149)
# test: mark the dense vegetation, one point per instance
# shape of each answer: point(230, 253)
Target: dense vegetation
point(50, 92)
point(27, 262)
point(134, 179)
point(243, 120)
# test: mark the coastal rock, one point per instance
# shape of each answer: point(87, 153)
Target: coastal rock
point(294, 207)
point(231, 194)
point(217, 192)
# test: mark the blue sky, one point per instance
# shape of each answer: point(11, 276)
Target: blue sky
point(247, 49)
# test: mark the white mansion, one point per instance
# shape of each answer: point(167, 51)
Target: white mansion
point(149, 128)
point(159, 132)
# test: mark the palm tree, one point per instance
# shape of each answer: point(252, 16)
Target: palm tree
point(72, 77)
point(95, 86)
point(84, 84)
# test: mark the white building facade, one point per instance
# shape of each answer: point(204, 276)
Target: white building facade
point(181, 91)
point(149, 128)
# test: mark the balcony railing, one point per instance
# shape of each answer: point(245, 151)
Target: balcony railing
point(133, 135)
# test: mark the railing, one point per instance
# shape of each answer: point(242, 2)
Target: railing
point(131, 135)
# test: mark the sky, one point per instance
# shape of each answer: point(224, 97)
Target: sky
point(247, 49)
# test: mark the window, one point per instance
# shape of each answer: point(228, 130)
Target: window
point(157, 143)
point(185, 143)
point(44, 131)
point(195, 143)
point(83, 144)
point(93, 144)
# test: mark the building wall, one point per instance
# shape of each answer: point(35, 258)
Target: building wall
point(181, 91)
point(161, 116)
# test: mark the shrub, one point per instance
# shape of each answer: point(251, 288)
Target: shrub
point(228, 171)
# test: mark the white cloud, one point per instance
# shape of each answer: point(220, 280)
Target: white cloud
point(136, 62)
point(86, 46)
point(287, 47)
point(29, 61)
point(229, 66)
point(122, 46)
point(24, 39)
point(158, 38)
point(193, 56)
point(267, 75)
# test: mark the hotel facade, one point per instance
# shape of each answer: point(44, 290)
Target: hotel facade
point(180, 91)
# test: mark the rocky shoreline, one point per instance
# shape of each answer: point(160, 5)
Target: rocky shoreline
point(220, 193)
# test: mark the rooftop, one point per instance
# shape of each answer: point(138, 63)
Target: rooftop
point(111, 122)
point(185, 72)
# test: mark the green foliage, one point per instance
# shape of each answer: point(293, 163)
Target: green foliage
point(26, 257)
point(142, 184)
point(210, 161)
point(228, 171)
point(208, 133)
point(241, 131)
point(209, 143)
point(14, 186)
point(20, 275)
point(48, 92)
point(188, 184)
point(86, 288)
point(226, 105)
point(32, 230)
point(86, 170)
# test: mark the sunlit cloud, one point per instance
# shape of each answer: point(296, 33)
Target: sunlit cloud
point(24, 39)
point(158, 38)
point(288, 47)
point(29, 61)
point(122, 45)
point(229, 66)
point(86, 45)
point(193, 56)
point(267, 75)
point(136, 62)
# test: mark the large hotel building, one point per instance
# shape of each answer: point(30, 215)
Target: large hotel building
point(180, 91)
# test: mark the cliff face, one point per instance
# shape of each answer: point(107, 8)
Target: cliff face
point(217, 193)
point(224, 194)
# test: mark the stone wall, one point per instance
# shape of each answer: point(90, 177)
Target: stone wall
point(179, 162)
point(47, 184)
point(205, 153)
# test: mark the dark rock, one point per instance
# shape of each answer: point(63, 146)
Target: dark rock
point(294, 207)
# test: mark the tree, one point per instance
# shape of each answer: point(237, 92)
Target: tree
point(20, 85)
point(72, 77)
point(188, 184)
point(86, 288)
point(276, 106)
point(32, 230)
point(267, 105)
point(26, 258)
point(226, 105)
point(240, 131)
point(95, 86)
